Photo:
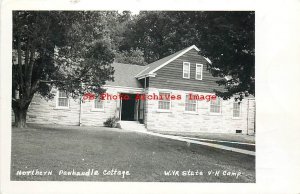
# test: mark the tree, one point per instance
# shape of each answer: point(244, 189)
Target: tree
point(230, 47)
point(67, 50)
point(159, 34)
point(226, 38)
point(130, 57)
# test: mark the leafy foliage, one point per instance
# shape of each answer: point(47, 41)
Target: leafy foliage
point(68, 50)
point(231, 49)
point(111, 122)
point(131, 57)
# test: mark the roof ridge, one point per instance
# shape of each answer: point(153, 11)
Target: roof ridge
point(177, 52)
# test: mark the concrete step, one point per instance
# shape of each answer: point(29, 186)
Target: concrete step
point(132, 125)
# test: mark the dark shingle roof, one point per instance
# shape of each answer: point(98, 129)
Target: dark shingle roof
point(125, 75)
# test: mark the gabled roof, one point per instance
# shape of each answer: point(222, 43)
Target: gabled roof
point(124, 75)
point(152, 67)
point(127, 75)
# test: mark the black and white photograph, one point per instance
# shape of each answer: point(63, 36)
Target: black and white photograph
point(153, 96)
point(145, 97)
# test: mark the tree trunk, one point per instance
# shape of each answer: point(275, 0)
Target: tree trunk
point(20, 117)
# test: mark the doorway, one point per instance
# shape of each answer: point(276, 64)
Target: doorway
point(128, 108)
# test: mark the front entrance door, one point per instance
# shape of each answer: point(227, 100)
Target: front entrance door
point(128, 108)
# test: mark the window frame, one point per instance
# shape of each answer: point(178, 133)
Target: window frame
point(170, 102)
point(186, 102)
point(189, 70)
point(201, 73)
point(94, 108)
point(57, 100)
point(210, 108)
point(240, 109)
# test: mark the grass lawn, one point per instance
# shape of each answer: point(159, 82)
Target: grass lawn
point(147, 158)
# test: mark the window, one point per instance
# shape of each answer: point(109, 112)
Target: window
point(62, 100)
point(164, 102)
point(186, 70)
point(98, 103)
point(199, 70)
point(215, 106)
point(190, 105)
point(236, 109)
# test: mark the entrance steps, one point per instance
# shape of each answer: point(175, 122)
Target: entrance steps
point(132, 126)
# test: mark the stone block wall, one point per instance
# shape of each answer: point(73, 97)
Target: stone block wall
point(93, 117)
point(178, 120)
point(251, 116)
point(45, 111)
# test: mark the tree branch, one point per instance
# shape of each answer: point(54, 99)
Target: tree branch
point(51, 81)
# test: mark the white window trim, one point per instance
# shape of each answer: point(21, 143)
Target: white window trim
point(215, 113)
point(239, 117)
point(188, 69)
point(201, 67)
point(94, 109)
point(164, 110)
point(187, 111)
point(61, 107)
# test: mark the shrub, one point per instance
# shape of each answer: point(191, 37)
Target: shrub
point(111, 122)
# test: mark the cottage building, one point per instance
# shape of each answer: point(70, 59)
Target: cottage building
point(166, 96)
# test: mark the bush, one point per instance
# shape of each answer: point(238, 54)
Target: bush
point(111, 122)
